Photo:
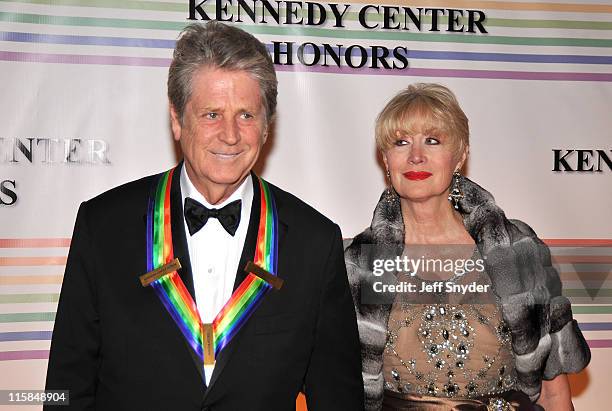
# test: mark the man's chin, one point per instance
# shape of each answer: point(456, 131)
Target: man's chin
point(227, 180)
point(219, 174)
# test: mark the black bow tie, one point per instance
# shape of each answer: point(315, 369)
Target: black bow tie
point(196, 215)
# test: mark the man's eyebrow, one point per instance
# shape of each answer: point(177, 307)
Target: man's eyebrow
point(207, 108)
point(253, 108)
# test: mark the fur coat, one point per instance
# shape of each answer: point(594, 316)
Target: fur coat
point(546, 340)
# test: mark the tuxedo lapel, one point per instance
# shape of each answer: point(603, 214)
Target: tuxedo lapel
point(248, 254)
point(179, 239)
point(181, 250)
point(248, 251)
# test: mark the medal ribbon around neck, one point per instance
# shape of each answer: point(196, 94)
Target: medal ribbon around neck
point(171, 290)
point(249, 293)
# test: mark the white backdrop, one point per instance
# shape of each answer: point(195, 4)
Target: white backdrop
point(541, 79)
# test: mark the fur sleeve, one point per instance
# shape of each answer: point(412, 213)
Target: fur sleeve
point(568, 351)
point(371, 322)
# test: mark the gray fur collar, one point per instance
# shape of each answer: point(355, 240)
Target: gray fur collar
point(545, 339)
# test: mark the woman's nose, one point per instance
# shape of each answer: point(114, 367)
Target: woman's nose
point(416, 154)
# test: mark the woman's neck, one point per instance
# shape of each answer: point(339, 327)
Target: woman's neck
point(433, 222)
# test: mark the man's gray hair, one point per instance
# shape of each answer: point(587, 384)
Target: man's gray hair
point(219, 46)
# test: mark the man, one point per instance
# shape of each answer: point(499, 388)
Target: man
point(118, 345)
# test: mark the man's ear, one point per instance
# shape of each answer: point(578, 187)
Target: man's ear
point(267, 126)
point(265, 133)
point(175, 123)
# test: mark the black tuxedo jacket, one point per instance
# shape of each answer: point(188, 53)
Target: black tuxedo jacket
point(116, 348)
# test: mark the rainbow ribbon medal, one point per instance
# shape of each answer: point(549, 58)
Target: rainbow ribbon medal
point(249, 293)
point(207, 340)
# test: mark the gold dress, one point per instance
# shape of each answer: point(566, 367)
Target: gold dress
point(451, 350)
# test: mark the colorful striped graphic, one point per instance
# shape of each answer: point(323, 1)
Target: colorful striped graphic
point(543, 41)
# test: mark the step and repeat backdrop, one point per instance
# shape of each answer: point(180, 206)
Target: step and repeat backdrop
point(83, 108)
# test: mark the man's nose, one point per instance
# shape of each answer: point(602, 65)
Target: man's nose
point(231, 132)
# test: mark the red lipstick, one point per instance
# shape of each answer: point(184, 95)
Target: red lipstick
point(417, 175)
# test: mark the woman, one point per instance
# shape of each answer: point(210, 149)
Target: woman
point(432, 351)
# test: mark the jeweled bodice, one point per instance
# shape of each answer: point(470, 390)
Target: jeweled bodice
point(446, 349)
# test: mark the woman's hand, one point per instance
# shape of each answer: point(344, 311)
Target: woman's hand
point(556, 394)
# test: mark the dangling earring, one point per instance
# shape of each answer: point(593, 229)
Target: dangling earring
point(389, 194)
point(456, 194)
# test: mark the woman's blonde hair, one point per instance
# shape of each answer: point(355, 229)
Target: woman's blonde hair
point(426, 108)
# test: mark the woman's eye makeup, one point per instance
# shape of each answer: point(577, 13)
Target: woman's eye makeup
point(430, 141)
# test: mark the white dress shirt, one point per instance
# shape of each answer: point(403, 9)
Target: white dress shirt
point(214, 253)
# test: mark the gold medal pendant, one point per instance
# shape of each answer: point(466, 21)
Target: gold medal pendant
point(207, 344)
